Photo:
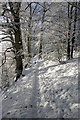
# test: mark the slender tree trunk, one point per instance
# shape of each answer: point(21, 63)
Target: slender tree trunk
point(29, 34)
point(78, 27)
point(74, 32)
point(69, 29)
point(41, 37)
point(40, 47)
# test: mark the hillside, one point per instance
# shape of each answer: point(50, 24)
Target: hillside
point(45, 90)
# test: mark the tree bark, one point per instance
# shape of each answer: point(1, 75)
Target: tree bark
point(29, 34)
point(19, 48)
point(41, 37)
point(74, 31)
point(69, 29)
point(15, 7)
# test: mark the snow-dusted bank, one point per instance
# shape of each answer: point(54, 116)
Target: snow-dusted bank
point(46, 90)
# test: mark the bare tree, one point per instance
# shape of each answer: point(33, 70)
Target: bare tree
point(15, 8)
point(41, 36)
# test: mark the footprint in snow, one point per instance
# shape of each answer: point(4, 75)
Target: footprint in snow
point(31, 106)
point(8, 113)
point(25, 106)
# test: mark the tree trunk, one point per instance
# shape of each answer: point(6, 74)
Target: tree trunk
point(15, 7)
point(29, 34)
point(18, 47)
point(69, 29)
point(78, 27)
point(41, 37)
point(74, 32)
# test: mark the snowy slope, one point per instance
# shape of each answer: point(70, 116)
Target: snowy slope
point(46, 90)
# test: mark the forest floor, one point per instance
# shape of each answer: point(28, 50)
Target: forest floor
point(45, 90)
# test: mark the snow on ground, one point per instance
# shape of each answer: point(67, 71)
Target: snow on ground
point(46, 90)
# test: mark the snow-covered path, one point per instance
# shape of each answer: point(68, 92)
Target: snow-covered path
point(35, 97)
point(47, 90)
point(23, 99)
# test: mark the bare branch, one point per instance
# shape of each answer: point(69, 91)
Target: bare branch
point(5, 56)
point(74, 5)
point(28, 5)
point(4, 40)
point(34, 9)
